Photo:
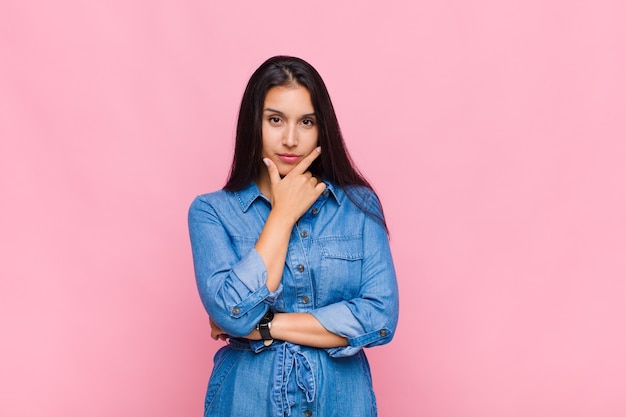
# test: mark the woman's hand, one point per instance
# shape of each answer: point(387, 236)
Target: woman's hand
point(292, 195)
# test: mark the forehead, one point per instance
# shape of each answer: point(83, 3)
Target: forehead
point(296, 98)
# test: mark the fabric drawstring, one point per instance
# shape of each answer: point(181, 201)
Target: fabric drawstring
point(290, 357)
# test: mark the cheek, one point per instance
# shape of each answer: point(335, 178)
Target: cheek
point(312, 138)
point(266, 139)
point(271, 134)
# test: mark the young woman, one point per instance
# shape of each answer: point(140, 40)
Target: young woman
point(292, 259)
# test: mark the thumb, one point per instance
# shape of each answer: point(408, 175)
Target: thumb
point(272, 171)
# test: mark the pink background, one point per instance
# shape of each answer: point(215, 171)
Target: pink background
point(494, 131)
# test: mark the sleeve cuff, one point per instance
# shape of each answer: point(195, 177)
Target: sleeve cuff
point(251, 272)
point(339, 319)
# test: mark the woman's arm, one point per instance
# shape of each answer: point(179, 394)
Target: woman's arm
point(300, 328)
point(236, 291)
point(304, 329)
point(290, 197)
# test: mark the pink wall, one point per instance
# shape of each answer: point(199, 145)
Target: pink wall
point(494, 131)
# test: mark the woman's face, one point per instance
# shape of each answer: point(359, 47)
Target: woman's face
point(289, 126)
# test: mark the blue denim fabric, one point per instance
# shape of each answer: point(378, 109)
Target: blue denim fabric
point(338, 268)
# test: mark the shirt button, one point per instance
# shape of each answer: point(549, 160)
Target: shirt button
point(300, 268)
point(383, 333)
point(304, 234)
point(315, 211)
point(308, 413)
point(236, 310)
point(305, 299)
point(325, 193)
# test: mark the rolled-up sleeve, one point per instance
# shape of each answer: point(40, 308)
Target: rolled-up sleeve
point(232, 288)
point(370, 319)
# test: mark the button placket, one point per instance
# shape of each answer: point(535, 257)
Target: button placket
point(299, 251)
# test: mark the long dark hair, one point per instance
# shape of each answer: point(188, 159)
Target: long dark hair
point(334, 163)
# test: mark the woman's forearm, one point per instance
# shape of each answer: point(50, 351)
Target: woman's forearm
point(272, 247)
point(304, 329)
point(300, 328)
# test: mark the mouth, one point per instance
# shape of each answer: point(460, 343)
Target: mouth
point(289, 158)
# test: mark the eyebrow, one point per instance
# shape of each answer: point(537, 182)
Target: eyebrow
point(280, 112)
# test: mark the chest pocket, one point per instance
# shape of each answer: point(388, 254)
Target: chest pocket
point(340, 272)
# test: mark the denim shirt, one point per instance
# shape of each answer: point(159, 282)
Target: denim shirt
point(338, 267)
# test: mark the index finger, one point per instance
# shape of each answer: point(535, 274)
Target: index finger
point(306, 161)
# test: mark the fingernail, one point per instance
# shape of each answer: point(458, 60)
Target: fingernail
point(266, 162)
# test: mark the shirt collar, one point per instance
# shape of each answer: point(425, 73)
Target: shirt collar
point(248, 195)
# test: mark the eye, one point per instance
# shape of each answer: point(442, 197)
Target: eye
point(308, 122)
point(274, 120)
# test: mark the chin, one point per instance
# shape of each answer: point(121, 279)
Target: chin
point(283, 172)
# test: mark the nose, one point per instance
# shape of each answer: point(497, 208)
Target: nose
point(290, 137)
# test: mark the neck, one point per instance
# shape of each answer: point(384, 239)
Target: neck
point(263, 182)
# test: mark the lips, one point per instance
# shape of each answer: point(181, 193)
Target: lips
point(289, 158)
